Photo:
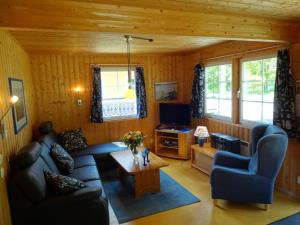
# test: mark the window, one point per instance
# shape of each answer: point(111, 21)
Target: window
point(118, 100)
point(257, 90)
point(218, 90)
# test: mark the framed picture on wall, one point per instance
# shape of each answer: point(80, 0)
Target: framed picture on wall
point(19, 108)
point(166, 91)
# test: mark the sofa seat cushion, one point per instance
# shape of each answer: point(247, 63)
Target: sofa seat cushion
point(96, 183)
point(85, 173)
point(98, 150)
point(86, 160)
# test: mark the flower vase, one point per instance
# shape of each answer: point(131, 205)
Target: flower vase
point(135, 155)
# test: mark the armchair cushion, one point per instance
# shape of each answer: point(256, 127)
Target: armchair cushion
point(60, 184)
point(229, 159)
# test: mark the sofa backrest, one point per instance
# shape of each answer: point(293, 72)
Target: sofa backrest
point(45, 155)
point(30, 176)
point(270, 149)
point(49, 139)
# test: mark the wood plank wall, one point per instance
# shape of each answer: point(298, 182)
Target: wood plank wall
point(291, 167)
point(55, 75)
point(14, 62)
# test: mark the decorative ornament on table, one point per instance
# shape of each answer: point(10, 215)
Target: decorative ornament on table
point(144, 154)
point(133, 139)
point(202, 133)
point(147, 153)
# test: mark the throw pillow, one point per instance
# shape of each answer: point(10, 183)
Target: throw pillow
point(62, 159)
point(60, 184)
point(73, 140)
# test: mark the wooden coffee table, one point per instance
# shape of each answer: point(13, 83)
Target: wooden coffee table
point(147, 178)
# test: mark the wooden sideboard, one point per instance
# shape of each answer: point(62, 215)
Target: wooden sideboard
point(202, 157)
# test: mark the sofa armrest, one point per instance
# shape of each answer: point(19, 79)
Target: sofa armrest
point(228, 159)
point(85, 206)
point(80, 196)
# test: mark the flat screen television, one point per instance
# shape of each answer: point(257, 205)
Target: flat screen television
point(175, 114)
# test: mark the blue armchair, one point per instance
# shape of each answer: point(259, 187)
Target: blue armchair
point(250, 179)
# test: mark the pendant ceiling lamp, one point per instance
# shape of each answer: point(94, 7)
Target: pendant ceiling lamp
point(130, 92)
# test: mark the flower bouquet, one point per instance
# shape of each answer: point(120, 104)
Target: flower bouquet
point(133, 139)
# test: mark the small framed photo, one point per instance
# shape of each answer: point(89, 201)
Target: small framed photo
point(166, 91)
point(19, 108)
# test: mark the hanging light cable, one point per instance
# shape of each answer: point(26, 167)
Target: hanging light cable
point(128, 39)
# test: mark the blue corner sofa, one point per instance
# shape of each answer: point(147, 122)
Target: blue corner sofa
point(250, 179)
point(32, 203)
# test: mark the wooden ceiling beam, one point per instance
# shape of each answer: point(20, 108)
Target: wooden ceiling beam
point(98, 17)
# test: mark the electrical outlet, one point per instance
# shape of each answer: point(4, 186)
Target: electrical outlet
point(79, 102)
point(298, 180)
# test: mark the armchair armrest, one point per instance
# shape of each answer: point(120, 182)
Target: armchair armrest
point(228, 159)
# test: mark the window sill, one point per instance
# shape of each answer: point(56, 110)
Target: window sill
point(216, 117)
point(121, 118)
point(250, 124)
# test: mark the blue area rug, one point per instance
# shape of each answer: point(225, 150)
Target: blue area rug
point(290, 220)
point(126, 207)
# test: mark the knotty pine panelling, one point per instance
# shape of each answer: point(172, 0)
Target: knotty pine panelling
point(14, 62)
point(55, 75)
point(287, 179)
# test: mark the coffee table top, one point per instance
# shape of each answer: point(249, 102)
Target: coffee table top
point(125, 160)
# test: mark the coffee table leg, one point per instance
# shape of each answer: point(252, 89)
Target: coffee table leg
point(147, 181)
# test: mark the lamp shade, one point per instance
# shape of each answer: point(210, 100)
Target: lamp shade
point(201, 131)
point(130, 94)
point(14, 99)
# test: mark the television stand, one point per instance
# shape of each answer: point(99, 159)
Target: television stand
point(173, 143)
point(170, 127)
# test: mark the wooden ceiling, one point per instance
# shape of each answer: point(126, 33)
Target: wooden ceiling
point(279, 9)
point(93, 42)
point(176, 25)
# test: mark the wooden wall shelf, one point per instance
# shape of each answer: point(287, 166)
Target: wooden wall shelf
point(173, 144)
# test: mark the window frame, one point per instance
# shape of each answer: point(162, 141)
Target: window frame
point(113, 68)
point(210, 115)
point(245, 122)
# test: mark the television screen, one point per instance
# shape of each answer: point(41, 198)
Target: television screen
point(175, 114)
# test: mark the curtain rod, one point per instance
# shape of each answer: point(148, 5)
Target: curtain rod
point(245, 52)
point(117, 64)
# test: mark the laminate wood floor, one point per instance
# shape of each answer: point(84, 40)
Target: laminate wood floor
point(205, 213)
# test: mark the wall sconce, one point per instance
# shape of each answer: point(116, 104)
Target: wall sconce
point(78, 90)
point(13, 100)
